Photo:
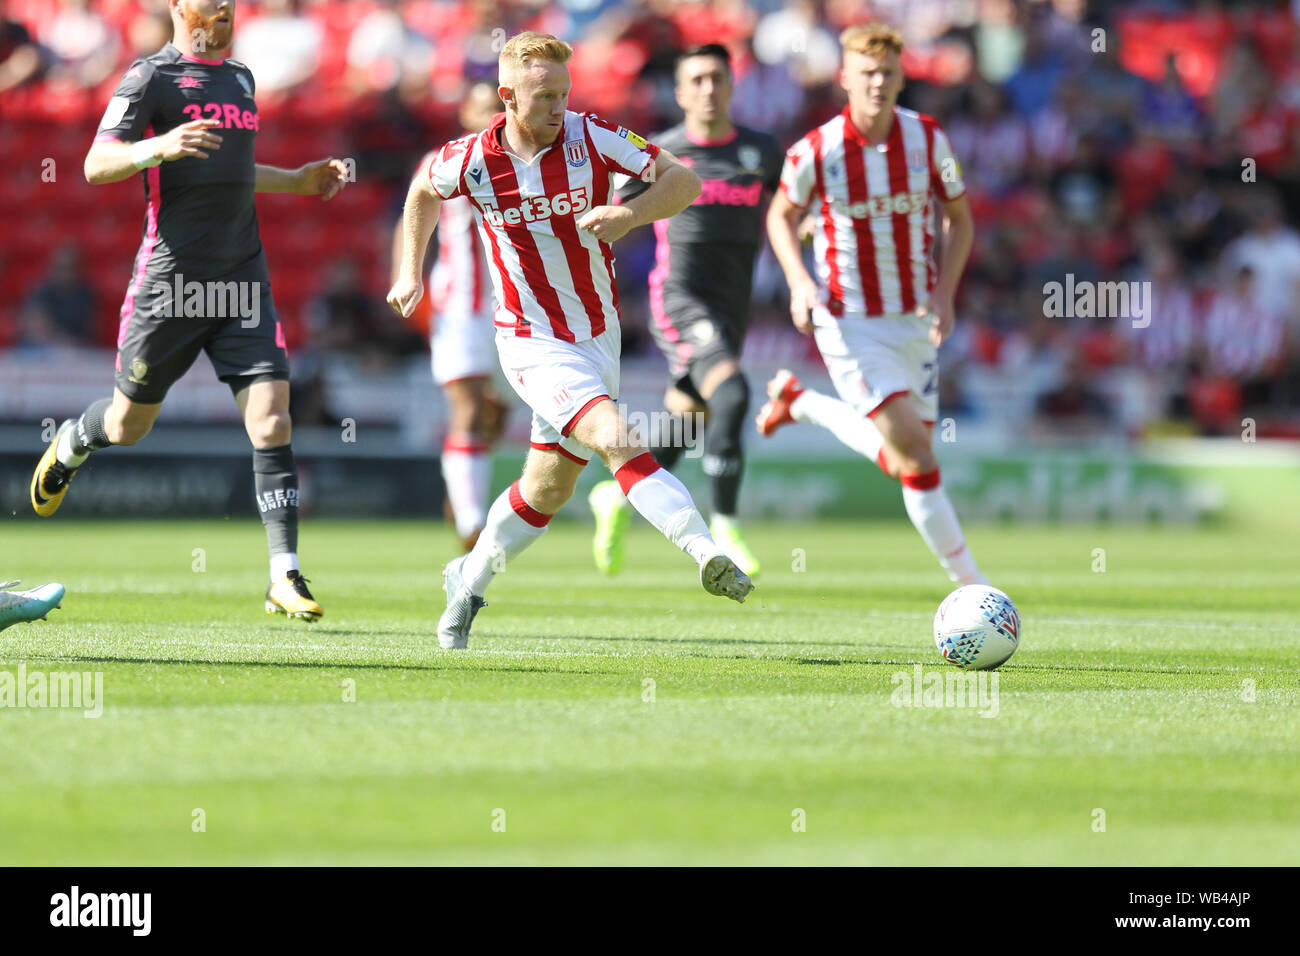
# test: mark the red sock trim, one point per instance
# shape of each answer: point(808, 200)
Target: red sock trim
point(525, 510)
point(953, 554)
point(633, 471)
point(925, 481)
point(556, 446)
point(468, 447)
point(582, 411)
point(885, 401)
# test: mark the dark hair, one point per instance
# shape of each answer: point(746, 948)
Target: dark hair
point(704, 49)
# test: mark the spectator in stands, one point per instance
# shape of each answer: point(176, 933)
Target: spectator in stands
point(20, 58)
point(1169, 111)
point(1167, 342)
point(61, 310)
point(383, 48)
point(84, 44)
point(348, 320)
point(1272, 251)
point(280, 45)
point(1074, 407)
point(148, 33)
point(1244, 337)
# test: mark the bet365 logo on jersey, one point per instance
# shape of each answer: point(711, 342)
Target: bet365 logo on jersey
point(535, 208)
point(899, 203)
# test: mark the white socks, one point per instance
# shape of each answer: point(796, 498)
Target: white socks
point(467, 471)
point(511, 526)
point(64, 453)
point(283, 563)
point(664, 501)
point(932, 513)
point(841, 419)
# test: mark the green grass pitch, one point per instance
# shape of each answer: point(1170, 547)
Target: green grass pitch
point(637, 720)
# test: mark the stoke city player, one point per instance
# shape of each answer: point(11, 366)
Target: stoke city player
point(462, 341)
point(187, 119)
point(699, 298)
point(873, 175)
point(540, 178)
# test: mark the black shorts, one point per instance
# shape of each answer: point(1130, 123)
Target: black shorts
point(695, 336)
point(235, 323)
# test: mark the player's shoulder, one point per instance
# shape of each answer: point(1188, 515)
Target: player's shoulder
point(143, 69)
point(673, 138)
point(912, 116)
point(757, 137)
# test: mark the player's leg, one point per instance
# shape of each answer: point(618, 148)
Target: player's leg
point(909, 456)
point(106, 421)
point(518, 517)
point(657, 494)
point(724, 386)
point(474, 421)
point(684, 412)
point(264, 404)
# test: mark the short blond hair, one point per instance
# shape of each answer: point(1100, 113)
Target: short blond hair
point(874, 39)
point(524, 49)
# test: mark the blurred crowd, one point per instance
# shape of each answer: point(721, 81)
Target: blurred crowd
point(1154, 142)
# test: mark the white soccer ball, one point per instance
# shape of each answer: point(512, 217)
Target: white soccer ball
point(977, 627)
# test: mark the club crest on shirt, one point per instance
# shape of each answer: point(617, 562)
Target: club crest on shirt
point(916, 160)
point(243, 81)
point(575, 151)
point(750, 157)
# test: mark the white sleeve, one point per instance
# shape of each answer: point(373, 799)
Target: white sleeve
point(799, 174)
point(945, 171)
point(445, 167)
point(623, 150)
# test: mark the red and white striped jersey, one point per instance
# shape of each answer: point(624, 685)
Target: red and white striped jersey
point(550, 278)
point(1242, 335)
point(875, 233)
point(459, 283)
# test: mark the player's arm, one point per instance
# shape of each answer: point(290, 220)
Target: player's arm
point(111, 160)
point(782, 232)
point(673, 189)
point(324, 178)
point(958, 237)
point(419, 217)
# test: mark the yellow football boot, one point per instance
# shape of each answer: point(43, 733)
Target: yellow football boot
point(289, 596)
point(50, 480)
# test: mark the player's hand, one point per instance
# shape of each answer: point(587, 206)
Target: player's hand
point(807, 226)
point(803, 299)
point(189, 139)
point(607, 223)
point(405, 295)
point(943, 315)
point(324, 178)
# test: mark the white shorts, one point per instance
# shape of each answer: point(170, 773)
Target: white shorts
point(559, 380)
point(872, 360)
point(462, 344)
